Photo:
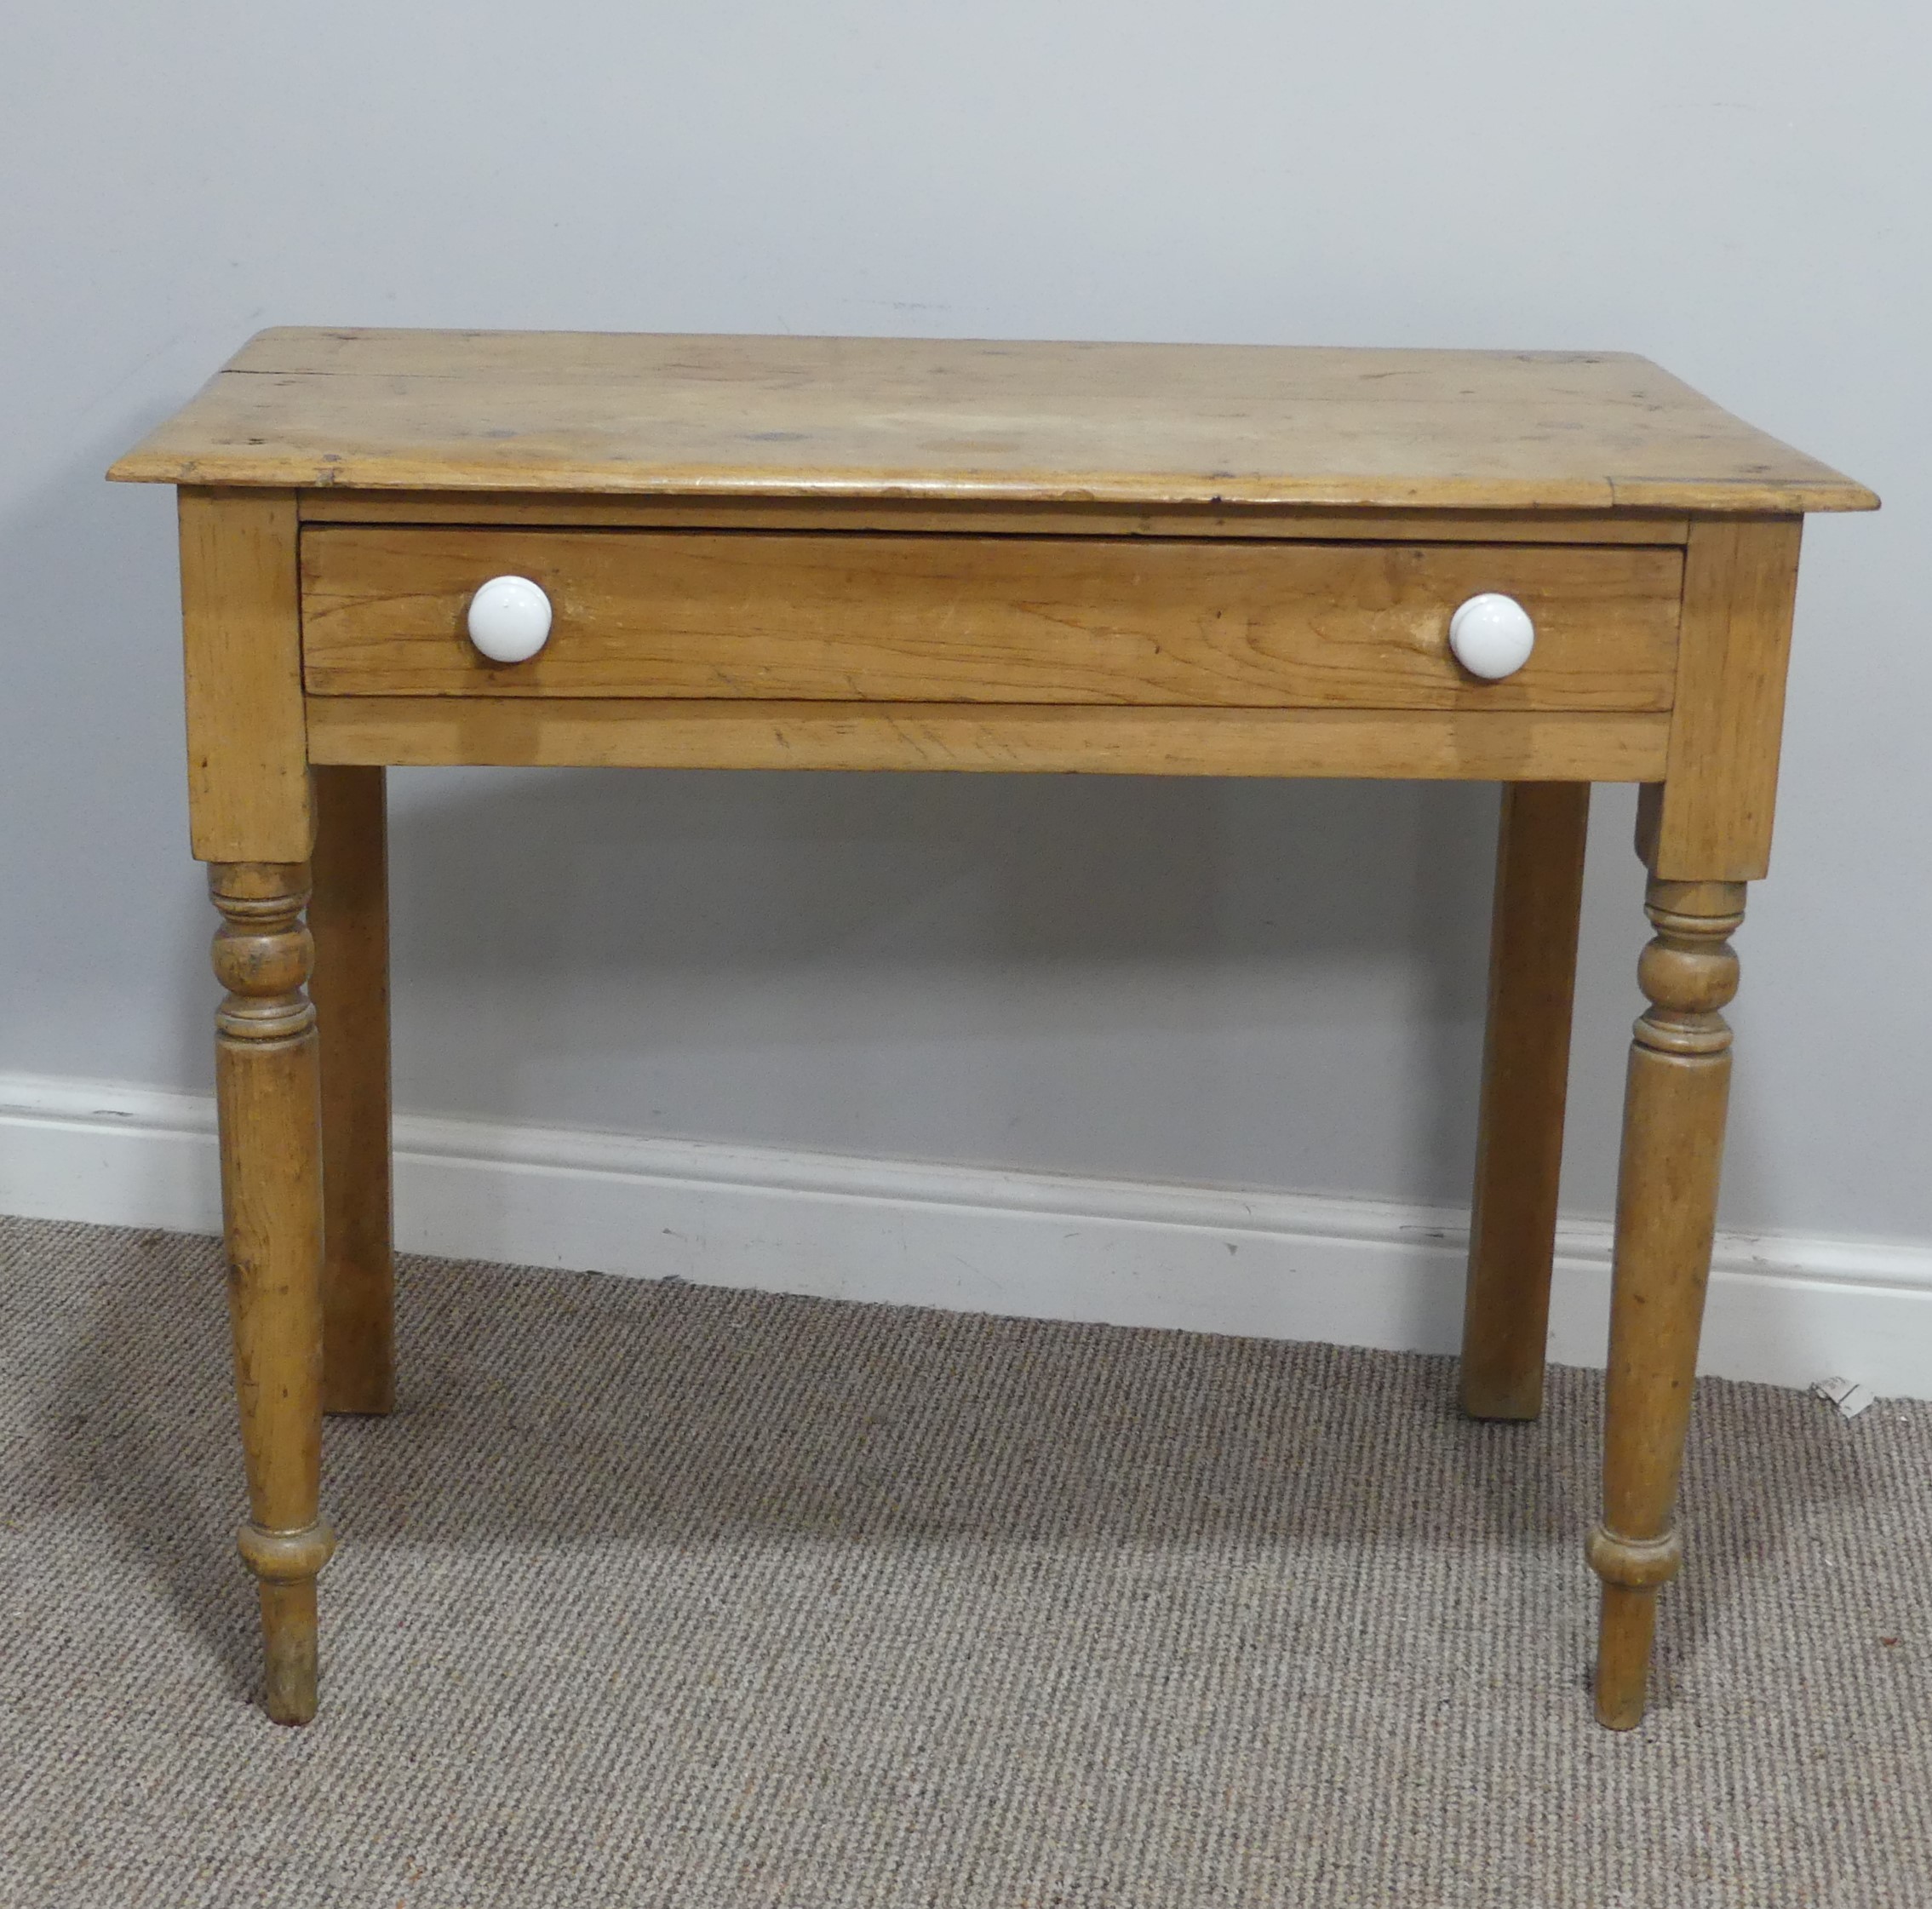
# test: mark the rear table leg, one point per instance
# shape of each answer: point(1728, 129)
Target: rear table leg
point(1525, 1076)
point(349, 916)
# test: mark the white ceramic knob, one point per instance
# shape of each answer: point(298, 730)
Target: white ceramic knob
point(1492, 636)
point(509, 619)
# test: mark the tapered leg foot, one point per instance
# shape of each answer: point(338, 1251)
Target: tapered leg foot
point(1674, 1108)
point(1625, 1628)
point(289, 1652)
point(1525, 1074)
point(269, 1103)
point(1632, 1572)
point(286, 1563)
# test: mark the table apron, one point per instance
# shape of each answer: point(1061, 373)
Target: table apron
point(1432, 745)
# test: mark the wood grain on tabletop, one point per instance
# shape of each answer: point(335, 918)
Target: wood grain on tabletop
point(1126, 423)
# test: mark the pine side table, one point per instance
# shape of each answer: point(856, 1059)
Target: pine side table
point(1541, 569)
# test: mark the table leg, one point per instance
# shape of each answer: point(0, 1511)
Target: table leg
point(269, 1104)
point(1525, 1075)
point(1678, 1083)
point(349, 916)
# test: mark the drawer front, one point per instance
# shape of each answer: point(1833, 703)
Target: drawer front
point(845, 617)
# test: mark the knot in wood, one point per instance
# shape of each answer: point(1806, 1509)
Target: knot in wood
point(1687, 977)
point(285, 1558)
point(264, 974)
point(1636, 1563)
point(1689, 970)
point(263, 964)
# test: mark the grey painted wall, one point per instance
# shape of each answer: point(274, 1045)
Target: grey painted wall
point(1279, 985)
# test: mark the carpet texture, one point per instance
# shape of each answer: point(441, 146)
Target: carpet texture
point(657, 1594)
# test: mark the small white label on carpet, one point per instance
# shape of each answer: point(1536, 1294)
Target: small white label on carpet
point(1850, 1396)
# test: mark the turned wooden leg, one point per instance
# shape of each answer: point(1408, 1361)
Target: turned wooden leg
point(267, 1092)
point(1525, 1072)
point(349, 917)
point(1679, 1080)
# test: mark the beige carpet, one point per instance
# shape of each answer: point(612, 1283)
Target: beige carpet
point(662, 1595)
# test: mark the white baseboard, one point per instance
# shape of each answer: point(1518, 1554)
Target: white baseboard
point(1784, 1309)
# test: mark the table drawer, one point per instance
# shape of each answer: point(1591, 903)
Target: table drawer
point(850, 617)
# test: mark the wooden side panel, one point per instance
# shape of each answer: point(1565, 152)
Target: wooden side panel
point(1711, 819)
point(523, 731)
point(986, 619)
point(241, 619)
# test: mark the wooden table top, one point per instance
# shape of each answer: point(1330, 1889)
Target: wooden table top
point(667, 416)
